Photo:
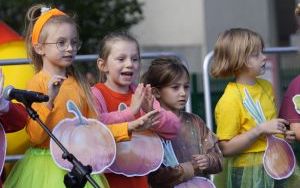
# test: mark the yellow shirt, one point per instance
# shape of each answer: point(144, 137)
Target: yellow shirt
point(232, 118)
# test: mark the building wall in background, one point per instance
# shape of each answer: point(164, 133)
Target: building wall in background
point(191, 27)
point(257, 15)
point(174, 25)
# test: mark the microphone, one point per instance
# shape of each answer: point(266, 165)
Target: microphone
point(24, 96)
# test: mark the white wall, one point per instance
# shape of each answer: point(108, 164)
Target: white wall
point(257, 15)
point(191, 27)
point(171, 23)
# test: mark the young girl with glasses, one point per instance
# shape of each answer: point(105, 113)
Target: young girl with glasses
point(52, 43)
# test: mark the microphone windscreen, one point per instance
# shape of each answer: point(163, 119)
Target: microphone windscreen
point(6, 92)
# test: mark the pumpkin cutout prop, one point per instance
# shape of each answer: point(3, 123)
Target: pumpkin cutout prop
point(88, 140)
point(170, 159)
point(2, 148)
point(139, 156)
point(279, 159)
point(197, 182)
point(296, 101)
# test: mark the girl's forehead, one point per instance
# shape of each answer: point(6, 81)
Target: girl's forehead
point(181, 78)
point(123, 46)
point(61, 30)
point(122, 42)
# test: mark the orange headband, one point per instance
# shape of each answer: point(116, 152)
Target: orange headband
point(38, 25)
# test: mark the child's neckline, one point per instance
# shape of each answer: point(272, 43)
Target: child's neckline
point(129, 92)
point(250, 83)
point(50, 75)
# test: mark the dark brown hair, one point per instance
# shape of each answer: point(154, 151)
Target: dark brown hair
point(164, 71)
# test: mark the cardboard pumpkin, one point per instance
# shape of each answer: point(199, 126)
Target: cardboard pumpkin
point(90, 141)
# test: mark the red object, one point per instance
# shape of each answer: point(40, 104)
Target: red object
point(8, 34)
point(15, 119)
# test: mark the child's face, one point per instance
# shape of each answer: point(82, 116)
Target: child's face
point(122, 65)
point(175, 96)
point(256, 64)
point(60, 47)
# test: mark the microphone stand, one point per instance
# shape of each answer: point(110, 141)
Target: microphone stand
point(79, 174)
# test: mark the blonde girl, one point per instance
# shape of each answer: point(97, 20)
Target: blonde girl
point(119, 99)
point(238, 53)
point(52, 43)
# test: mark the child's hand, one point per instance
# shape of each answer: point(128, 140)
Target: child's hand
point(200, 162)
point(144, 122)
point(147, 104)
point(53, 89)
point(137, 99)
point(290, 136)
point(274, 126)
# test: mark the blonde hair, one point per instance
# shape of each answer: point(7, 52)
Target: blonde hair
point(31, 17)
point(232, 50)
point(106, 45)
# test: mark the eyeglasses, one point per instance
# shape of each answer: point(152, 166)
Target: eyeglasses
point(62, 45)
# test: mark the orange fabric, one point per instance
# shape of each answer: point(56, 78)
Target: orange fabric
point(120, 131)
point(113, 99)
point(69, 90)
point(7, 34)
point(38, 137)
point(38, 25)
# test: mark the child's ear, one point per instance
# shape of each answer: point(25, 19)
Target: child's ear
point(39, 49)
point(247, 64)
point(156, 93)
point(101, 65)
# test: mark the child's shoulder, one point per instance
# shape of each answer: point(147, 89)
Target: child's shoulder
point(264, 82)
point(231, 92)
point(189, 116)
point(295, 81)
point(37, 79)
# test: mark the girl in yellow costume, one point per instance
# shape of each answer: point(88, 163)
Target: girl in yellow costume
point(238, 53)
point(52, 42)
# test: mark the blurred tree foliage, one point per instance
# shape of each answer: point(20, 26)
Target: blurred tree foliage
point(94, 17)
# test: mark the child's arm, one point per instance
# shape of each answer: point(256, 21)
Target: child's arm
point(243, 141)
point(36, 133)
point(168, 177)
point(12, 115)
point(123, 131)
point(110, 117)
point(212, 160)
point(169, 123)
point(15, 118)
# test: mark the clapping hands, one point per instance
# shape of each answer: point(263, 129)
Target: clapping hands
point(142, 99)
